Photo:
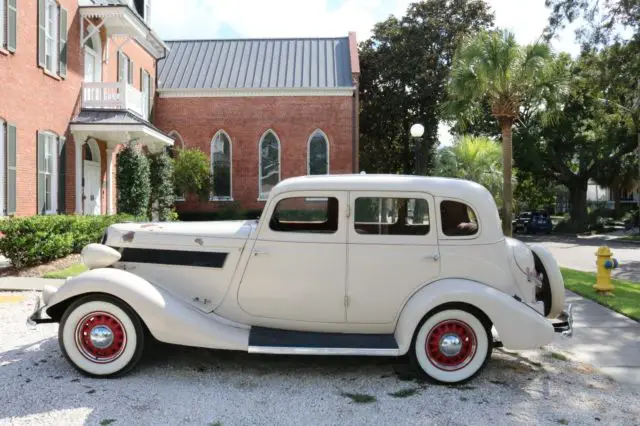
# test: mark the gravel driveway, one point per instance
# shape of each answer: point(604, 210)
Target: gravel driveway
point(176, 385)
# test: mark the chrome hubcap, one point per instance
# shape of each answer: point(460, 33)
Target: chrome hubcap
point(450, 345)
point(101, 336)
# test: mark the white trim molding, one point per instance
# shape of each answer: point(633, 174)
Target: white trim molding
point(327, 149)
point(213, 139)
point(261, 196)
point(257, 92)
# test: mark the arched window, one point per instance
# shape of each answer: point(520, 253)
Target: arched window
point(221, 166)
point(269, 170)
point(318, 154)
point(178, 144)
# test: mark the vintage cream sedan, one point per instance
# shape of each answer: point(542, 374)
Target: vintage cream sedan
point(336, 265)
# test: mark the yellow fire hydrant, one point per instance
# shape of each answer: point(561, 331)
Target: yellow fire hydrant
point(605, 264)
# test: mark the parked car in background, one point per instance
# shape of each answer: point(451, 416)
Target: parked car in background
point(533, 222)
point(378, 265)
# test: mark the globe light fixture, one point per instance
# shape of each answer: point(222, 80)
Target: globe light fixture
point(417, 130)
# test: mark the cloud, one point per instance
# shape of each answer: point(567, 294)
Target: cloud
point(276, 18)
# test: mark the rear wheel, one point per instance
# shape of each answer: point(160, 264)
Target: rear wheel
point(101, 336)
point(451, 346)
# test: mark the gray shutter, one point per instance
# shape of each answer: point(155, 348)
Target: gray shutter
point(41, 33)
point(41, 183)
point(62, 169)
point(121, 75)
point(130, 69)
point(62, 41)
point(12, 25)
point(11, 168)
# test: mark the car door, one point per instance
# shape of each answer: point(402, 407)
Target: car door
point(392, 250)
point(297, 268)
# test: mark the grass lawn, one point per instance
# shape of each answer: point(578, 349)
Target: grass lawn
point(625, 298)
point(71, 271)
point(631, 238)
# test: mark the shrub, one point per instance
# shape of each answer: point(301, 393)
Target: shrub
point(191, 174)
point(162, 186)
point(133, 181)
point(34, 240)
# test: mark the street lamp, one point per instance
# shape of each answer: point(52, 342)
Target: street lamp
point(416, 131)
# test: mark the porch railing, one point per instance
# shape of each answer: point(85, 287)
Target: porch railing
point(113, 96)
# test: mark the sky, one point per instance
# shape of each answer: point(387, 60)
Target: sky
point(197, 19)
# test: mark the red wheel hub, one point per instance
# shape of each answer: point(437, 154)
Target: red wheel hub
point(450, 345)
point(101, 337)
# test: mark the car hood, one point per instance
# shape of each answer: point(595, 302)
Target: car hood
point(168, 233)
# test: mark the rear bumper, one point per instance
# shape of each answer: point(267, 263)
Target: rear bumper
point(564, 323)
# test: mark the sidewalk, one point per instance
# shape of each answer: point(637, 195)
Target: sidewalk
point(603, 338)
point(27, 283)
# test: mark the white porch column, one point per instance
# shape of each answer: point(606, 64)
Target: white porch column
point(79, 142)
point(109, 180)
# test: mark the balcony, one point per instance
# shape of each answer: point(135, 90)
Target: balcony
point(114, 96)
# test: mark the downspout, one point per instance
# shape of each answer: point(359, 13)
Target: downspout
point(355, 123)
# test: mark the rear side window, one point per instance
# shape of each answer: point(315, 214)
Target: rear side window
point(458, 219)
point(303, 214)
point(391, 216)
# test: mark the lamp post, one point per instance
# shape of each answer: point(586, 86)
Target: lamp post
point(417, 130)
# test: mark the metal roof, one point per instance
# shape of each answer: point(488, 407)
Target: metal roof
point(116, 117)
point(256, 64)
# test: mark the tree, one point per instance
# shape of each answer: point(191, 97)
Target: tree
point(492, 67)
point(192, 174)
point(478, 159)
point(162, 186)
point(404, 66)
point(620, 177)
point(132, 181)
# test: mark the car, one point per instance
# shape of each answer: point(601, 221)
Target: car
point(533, 222)
point(372, 265)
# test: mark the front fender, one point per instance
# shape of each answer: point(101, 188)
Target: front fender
point(518, 325)
point(168, 319)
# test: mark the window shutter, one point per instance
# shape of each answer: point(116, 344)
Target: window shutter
point(12, 25)
point(120, 66)
point(130, 78)
point(41, 33)
point(11, 168)
point(41, 201)
point(62, 41)
point(62, 169)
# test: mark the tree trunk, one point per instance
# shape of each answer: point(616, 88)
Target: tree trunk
point(507, 166)
point(578, 201)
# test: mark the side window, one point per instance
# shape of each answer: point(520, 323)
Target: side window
point(458, 219)
point(303, 214)
point(391, 216)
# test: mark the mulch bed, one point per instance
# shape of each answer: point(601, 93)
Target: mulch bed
point(40, 270)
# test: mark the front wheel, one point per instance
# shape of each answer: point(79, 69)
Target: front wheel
point(101, 336)
point(451, 346)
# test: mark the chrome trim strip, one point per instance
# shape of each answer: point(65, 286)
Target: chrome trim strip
point(284, 350)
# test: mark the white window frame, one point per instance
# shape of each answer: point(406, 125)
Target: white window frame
point(261, 195)
point(51, 36)
point(51, 147)
point(4, 16)
point(213, 140)
point(326, 140)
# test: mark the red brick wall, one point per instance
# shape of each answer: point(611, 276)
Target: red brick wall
point(33, 100)
point(245, 119)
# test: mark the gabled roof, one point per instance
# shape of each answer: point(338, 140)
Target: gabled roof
point(283, 63)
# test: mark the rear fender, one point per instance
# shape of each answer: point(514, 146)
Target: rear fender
point(168, 319)
point(518, 325)
point(553, 274)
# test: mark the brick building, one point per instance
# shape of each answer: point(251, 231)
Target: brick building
point(78, 80)
point(264, 109)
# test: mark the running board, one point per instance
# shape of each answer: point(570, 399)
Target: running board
point(286, 342)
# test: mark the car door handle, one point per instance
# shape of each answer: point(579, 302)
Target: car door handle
point(432, 256)
point(259, 252)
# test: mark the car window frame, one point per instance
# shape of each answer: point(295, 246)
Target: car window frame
point(451, 238)
point(353, 237)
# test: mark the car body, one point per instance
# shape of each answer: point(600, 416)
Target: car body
point(533, 222)
point(379, 265)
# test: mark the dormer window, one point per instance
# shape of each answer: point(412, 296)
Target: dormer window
point(143, 7)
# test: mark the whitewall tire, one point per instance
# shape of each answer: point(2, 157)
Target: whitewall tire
point(451, 346)
point(101, 336)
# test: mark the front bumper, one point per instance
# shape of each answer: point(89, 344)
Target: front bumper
point(564, 323)
point(39, 314)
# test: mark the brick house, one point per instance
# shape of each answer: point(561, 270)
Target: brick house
point(77, 80)
point(80, 78)
point(263, 109)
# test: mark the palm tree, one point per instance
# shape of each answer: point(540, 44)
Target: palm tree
point(491, 66)
point(478, 159)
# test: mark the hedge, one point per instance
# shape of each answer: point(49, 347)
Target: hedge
point(31, 241)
